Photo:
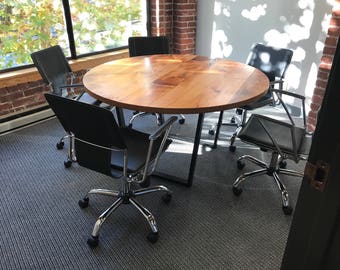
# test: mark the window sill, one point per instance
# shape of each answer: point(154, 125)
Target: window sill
point(31, 74)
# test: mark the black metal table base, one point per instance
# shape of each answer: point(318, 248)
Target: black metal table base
point(188, 182)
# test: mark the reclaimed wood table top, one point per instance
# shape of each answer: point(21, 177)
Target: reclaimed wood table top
point(176, 84)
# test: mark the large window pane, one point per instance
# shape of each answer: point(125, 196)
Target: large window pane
point(27, 26)
point(105, 24)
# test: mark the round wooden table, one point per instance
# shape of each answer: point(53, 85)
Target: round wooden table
point(176, 84)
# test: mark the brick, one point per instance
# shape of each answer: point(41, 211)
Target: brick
point(331, 41)
point(316, 99)
point(5, 106)
point(315, 107)
point(325, 66)
point(329, 50)
point(32, 91)
point(323, 75)
point(36, 104)
point(12, 96)
point(334, 31)
point(321, 83)
point(3, 91)
point(334, 21)
point(20, 109)
point(319, 91)
point(23, 101)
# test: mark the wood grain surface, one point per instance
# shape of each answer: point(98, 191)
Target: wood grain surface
point(175, 83)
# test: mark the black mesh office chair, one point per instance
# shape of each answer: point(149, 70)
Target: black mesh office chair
point(274, 63)
point(119, 152)
point(139, 46)
point(57, 74)
point(285, 139)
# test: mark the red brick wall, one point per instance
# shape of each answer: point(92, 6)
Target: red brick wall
point(161, 18)
point(184, 30)
point(177, 20)
point(325, 66)
point(21, 97)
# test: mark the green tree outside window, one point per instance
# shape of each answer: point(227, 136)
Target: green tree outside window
point(30, 25)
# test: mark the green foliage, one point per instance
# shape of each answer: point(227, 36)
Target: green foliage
point(102, 24)
point(30, 25)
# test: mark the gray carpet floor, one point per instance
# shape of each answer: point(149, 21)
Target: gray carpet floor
point(204, 227)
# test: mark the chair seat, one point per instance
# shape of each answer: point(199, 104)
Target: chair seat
point(263, 101)
point(138, 144)
point(86, 98)
point(254, 133)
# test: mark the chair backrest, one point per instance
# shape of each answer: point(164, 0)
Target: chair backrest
point(272, 61)
point(148, 45)
point(92, 124)
point(52, 66)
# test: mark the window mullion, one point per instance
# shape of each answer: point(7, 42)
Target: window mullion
point(69, 27)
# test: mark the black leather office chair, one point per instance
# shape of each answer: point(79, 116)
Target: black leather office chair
point(285, 139)
point(57, 74)
point(149, 45)
point(271, 61)
point(119, 152)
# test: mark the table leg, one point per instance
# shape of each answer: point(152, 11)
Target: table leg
point(195, 149)
point(120, 117)
point(188, 182)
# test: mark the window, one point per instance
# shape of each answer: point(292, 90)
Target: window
point(98, 25)
point(105, 24)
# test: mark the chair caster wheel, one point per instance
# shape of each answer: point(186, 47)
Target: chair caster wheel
point(152, 237)
point(240, 164)
point(237, 191)
point(93, 241)
point(211, 132)
point(60, 145)
point(232, 148)
point(283, 164)
point(67, 163)
point(146, 182)
point(287, 210)
point(181, 121)
point(83, 203)
point(167, 198)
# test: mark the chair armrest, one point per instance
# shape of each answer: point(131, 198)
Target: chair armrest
point(71, 85)
point(279, 94)
point(284, 92)
point(164, 127)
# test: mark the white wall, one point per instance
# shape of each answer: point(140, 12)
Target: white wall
point(228, 28)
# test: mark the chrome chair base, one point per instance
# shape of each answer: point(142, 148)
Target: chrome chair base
point(71, 157)
point(273, 169)
point(125, 196)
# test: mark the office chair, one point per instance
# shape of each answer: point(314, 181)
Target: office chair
point(119, 152)
point(139, 46)
point(57, 74)
point(271, 61)
point(284, 138)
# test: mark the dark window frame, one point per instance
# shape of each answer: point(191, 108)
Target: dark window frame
point(72, 45)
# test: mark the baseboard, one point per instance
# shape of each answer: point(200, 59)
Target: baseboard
point(25, 120)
